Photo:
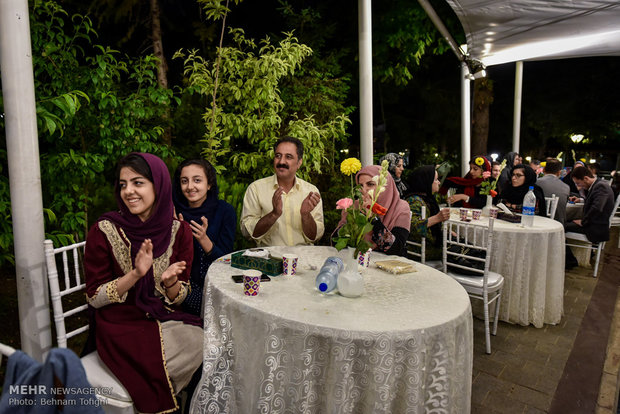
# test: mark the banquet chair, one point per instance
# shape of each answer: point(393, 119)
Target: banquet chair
point(415, 249)
point(115, 398)
point(468, 238)
point(552, 205)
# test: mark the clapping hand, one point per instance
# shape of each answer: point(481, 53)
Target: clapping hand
point(310, 202)
point(199, 231)
point(144, 258)
point(276, 201)
point(171, 274)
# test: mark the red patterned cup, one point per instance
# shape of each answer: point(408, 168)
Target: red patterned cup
point(475, 214)
point(463, 213)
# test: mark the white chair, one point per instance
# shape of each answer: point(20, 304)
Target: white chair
point(116, 399)
point(418, 249)
point(587, 244)
point(615, 217)
point(552, 205)
point(486, 287)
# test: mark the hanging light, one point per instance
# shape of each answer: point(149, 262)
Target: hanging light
point(494, 156)
point(576, 138)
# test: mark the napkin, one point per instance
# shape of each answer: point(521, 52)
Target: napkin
point(262, 253)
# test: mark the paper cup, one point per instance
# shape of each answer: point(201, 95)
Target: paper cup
point(251, 282)
point(363, 259)
point(493, 212)
point(463, 213)
point(289, 264)
point(475, 214)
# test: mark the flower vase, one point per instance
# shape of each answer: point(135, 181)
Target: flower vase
point(486, 209)
point(350, 280)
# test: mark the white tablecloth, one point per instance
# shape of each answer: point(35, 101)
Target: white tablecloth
point(404, 346)
point(531, 259)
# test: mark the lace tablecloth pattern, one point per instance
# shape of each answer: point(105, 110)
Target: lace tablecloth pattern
point(404, 346)
point(531, 259)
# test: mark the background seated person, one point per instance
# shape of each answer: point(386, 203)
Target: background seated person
point(213, 221)
point(423, 184)
point(468, 188)
point(396, 168)
point(551, 184)
point(597, 209)
point(283, 209)
point(512, 195)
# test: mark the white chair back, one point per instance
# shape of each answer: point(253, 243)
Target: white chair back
point(68, 282)
point(71, 259)
point(470, 237)
point(416, 249)
point(487, 286)
point(552, 205)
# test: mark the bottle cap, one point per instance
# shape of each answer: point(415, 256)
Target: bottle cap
point(323, 287)
point(531, 187)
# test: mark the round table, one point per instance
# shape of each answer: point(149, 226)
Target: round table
point(531, 259)
point(405, 345)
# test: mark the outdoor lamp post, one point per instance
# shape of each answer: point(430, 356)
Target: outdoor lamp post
point(576, 138)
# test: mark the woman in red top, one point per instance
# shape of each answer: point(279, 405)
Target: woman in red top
point(468, 187)
point(137, 264)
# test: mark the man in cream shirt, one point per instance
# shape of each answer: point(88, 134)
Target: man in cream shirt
point(283, 210)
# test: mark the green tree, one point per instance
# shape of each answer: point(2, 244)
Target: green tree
point(92, 108)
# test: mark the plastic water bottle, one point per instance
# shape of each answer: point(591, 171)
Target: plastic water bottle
point(529, 208)
point(328, 275)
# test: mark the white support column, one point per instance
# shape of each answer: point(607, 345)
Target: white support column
point(365, 56)
point(465, 119)
point(516, 122)
point(24, 177)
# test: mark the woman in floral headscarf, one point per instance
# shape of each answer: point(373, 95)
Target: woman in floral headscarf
point(468, 188)
point(396, 169)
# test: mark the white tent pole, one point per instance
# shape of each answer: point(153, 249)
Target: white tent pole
point(516, 124)
point(465, 119)
point(24, 177)
point(365, 53)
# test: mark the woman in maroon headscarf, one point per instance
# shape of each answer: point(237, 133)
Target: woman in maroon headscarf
point(468, 187)
point(390, 231)
point(137, 264)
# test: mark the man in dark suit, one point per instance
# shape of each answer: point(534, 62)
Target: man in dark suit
point(599, 205)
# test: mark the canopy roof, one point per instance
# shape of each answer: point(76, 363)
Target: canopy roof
point(501, 31)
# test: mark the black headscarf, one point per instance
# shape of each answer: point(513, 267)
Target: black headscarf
point(420, 183)
point(505, 176)
point(515, 195)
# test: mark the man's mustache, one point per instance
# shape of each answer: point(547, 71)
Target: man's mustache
point(282, 166)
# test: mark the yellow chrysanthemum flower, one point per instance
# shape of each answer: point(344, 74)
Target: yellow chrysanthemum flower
point(479, 161)
point(350, 166)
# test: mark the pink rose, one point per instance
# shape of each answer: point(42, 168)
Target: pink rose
point(486, 174)
point(344, 203)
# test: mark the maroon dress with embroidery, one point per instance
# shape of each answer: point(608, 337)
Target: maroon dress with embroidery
point(128, 340)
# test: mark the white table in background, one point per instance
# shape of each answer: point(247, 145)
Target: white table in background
point(531, 259)
point(405, 345)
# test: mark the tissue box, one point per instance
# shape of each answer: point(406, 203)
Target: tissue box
point(271, 266)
